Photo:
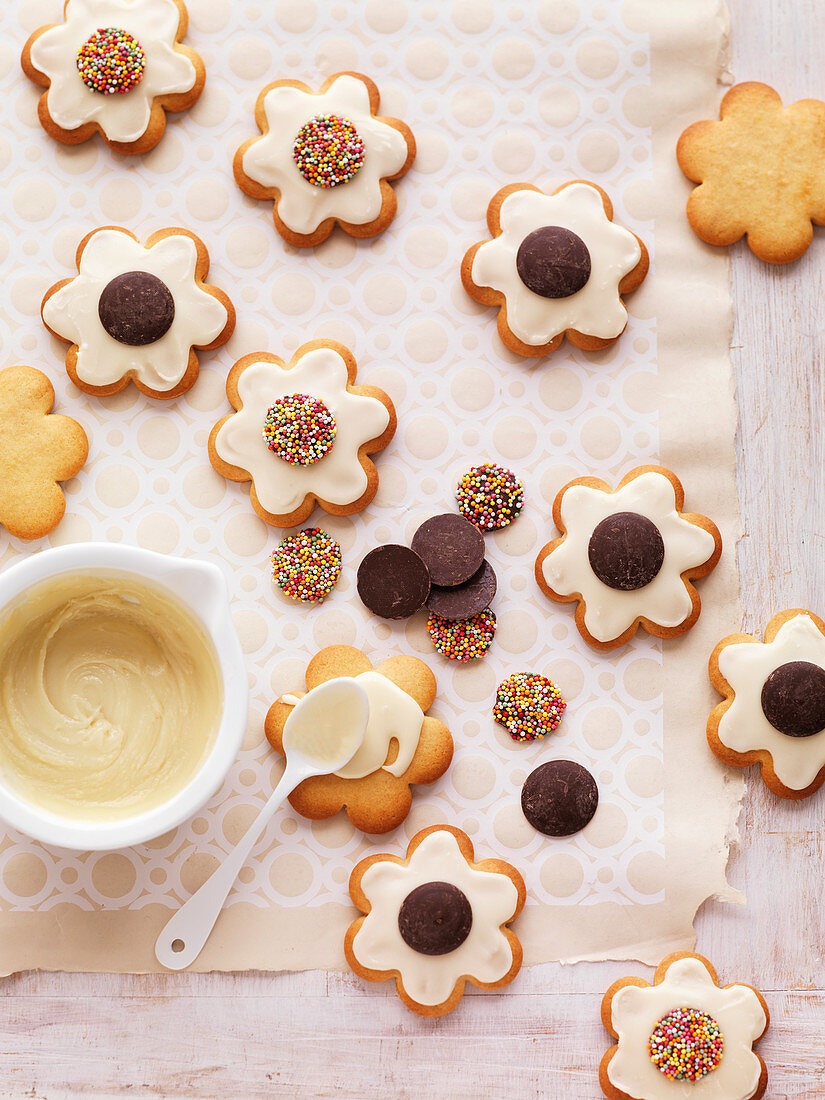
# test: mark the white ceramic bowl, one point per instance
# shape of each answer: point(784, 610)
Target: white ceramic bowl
point(201, 586)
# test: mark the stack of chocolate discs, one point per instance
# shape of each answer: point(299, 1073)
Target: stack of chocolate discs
point(445, 571)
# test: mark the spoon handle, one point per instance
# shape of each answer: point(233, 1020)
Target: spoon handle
point(184, 935)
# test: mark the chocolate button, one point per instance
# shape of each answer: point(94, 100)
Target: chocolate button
point(462, 601)
point(793, 699)
point(136, 308)
point(553, 262)
point(452, 548)
point(626, 551)
point(559, 797)
point(393, 581)
point(435, 918)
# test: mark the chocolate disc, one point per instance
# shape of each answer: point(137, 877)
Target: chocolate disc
point(793, 699)
point(393, 581)
point(553, 262)
point(626, 551)
point(559, 797)
point(136, 308)
point(462, 601)
point(452, 548)
point(435, 918)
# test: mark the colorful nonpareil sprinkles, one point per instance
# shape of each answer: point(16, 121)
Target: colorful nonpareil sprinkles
point(462, 639)
point(686, 1045)
point(307, 565)
point(528, 705)
point(328, 151)
point(111, 61)
point(300, 429)
point(490, 496)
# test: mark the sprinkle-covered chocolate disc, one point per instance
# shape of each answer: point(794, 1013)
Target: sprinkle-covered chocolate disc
point(686, 1045)
point(393, 581)
point(435, 918)
point(136, 308)
point(462, 601)
point(793, 699)
point(553, 262)
point(307, 565)
point(626, 551)
point(328, 151)
point(490, 496)
point(528, 706)
point(462, 639)
point(451, 546)
point(299, 429)
point(111, 61)
point(559, 798)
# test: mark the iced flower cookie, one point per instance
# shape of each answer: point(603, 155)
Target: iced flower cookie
point(136, 312)
point(302, 432)
point(403, 745)
point(37, 450)
point(325, 158)
point(760, 170)
point(685, 1035)
point(435, 921)
point(113, 67)
point(628, 556)
point(773, 713)
point(557, 266)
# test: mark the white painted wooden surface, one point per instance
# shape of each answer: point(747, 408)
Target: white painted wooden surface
point(314, 1034)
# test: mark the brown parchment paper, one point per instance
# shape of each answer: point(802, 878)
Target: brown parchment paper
point(540, 91)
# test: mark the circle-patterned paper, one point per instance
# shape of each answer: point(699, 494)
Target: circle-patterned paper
point(490, 101)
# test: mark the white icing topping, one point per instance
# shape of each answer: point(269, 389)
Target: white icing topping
point(687, 984)
point(485, 955)
point(302, 206)
point(327, 725)
point(339, 477)
point(596, 309)
point(609, 611)
point(154, 23)
point(393, 714)
point(746, 666)
point(72, 312)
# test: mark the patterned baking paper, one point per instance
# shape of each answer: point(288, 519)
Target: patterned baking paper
point(541, 91)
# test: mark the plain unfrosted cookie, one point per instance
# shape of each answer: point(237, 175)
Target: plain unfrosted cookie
point(325, 158)
point(302, 432)
point(403, 747)
point(557, 266)
point(38, 449)
point(681, 1033)
point(627, 556)
point(113, 67)
point(773, 713)
point(760, 170)
point(136, 312)
point(435, 920)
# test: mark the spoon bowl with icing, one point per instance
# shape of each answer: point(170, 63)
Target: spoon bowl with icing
point(324, 731)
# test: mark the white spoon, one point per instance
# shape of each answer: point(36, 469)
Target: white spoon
point(323, 732)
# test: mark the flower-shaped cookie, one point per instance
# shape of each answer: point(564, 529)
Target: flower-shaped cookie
point(325, 157)
point(113, 67)
point(37, 450)
point(683, 1036)
point(435, 921)
point(135, 313)
point(773, 713)
point(402, 746)
point(557, 266)
point(302, 432)
point(761, 171)
point(628, 556)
